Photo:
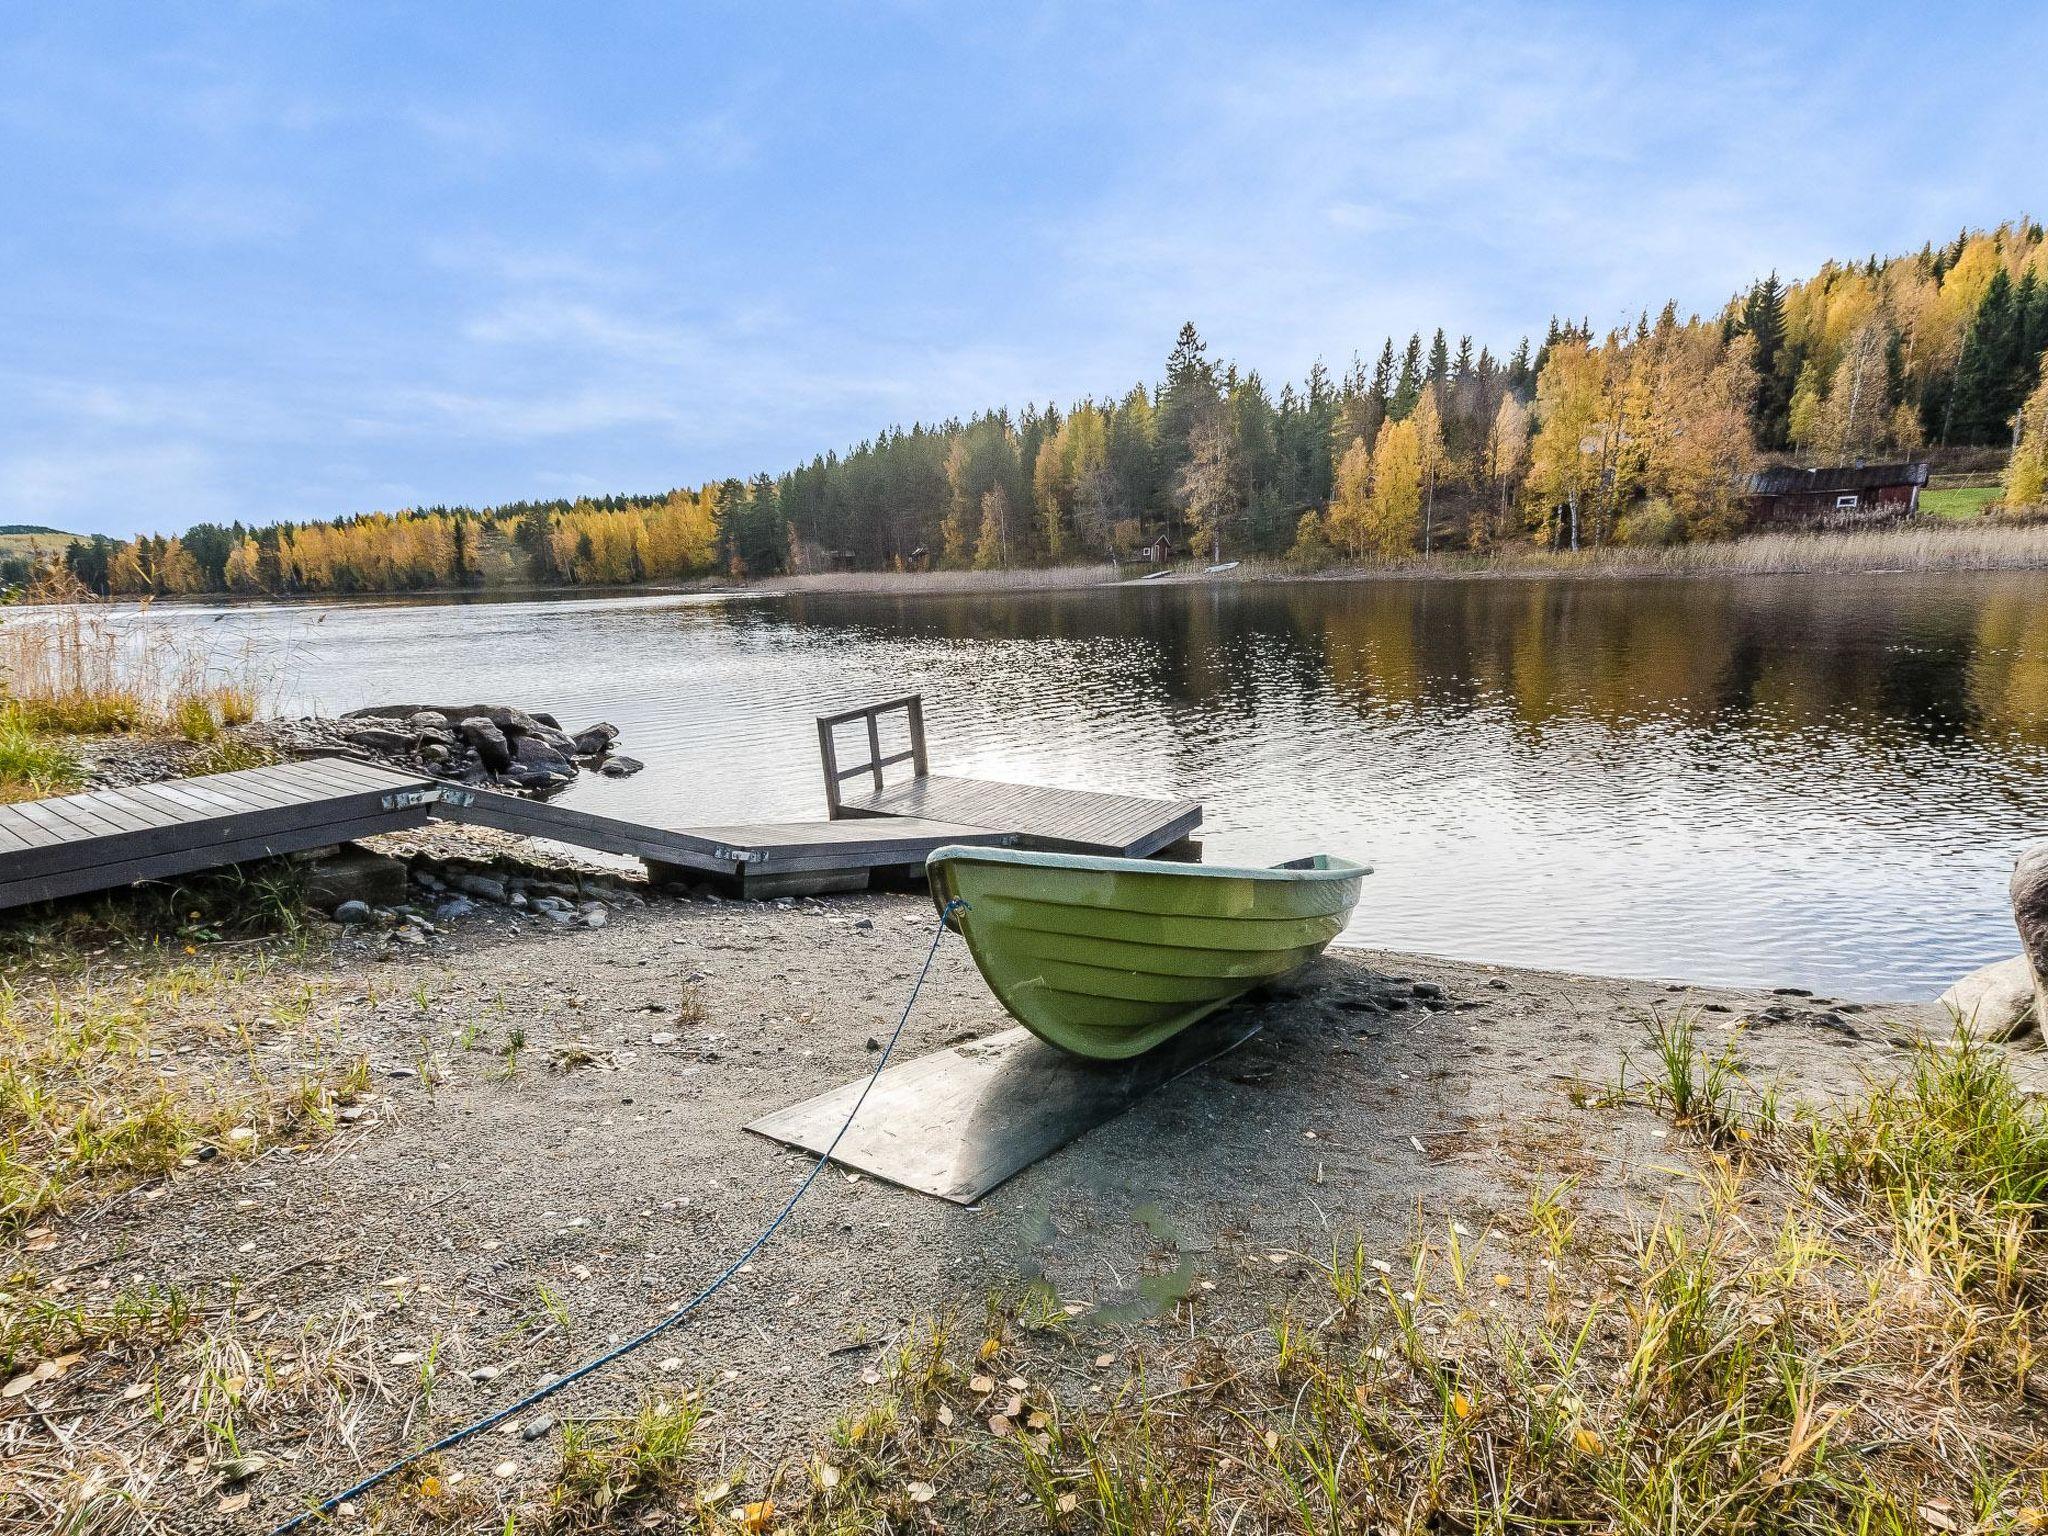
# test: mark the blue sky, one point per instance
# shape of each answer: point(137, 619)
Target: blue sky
point(299, 260)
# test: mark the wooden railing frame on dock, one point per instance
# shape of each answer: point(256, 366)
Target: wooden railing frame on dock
point(912, 705)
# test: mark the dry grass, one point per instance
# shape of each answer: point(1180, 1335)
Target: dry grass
point(110, 1078)
point(131, 1397)
point(1921, 547)
point(1835, 1332)
point(160, 1401)
point(84, 668)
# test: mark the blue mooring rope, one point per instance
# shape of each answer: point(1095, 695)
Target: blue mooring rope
point(449, 1441)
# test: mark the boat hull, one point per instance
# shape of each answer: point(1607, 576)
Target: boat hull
point(1107, 958)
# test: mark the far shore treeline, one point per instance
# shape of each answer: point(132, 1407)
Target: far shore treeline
point(1639, 436)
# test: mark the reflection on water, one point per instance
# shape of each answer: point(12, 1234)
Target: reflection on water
point(1797, 780)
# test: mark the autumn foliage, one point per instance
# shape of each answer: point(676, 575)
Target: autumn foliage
point(1643, 435)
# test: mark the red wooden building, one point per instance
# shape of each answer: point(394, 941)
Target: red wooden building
point(1835, 495)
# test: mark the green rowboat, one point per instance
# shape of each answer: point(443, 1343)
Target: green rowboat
point(1106, 958)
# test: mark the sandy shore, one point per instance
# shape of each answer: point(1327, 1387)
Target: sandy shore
point(512, 1219)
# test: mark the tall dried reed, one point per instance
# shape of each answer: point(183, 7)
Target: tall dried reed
point(85, 668)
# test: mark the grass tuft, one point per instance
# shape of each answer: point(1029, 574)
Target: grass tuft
point(608, 1469)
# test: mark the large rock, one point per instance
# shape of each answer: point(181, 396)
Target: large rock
point(596, 740)
point(537, 752)
point(354, 874)
point(378, 738)
point(489, 743)
point(1996, 1002)
point(2030, 916)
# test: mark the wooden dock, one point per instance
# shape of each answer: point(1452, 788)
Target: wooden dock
point(108, 837)
point(1037, 815)
point(71, 844)
point(758, 859)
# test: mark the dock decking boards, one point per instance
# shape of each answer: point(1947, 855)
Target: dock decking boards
point(107, 837)
point(960, 1121)
point(71, 844)
point(1040, 816)
point(1057, 820)
point(763, 857)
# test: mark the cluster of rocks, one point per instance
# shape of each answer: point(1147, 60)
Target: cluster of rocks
point(491, 745)
point(412, 899)
point(2009, 1000)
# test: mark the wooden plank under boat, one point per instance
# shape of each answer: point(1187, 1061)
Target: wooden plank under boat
point(1107, 958)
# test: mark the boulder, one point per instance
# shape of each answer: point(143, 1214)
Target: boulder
point(489, 744)
point(352, 912)
point(377, 738)
point(1995, 1002)
point(596, 740)
point(532, 778)
point(352, 874)
point(424, 720)
point(561, 741)
point(535, 752)
point(620, 767)
point(481, 887)
point(2030, 916)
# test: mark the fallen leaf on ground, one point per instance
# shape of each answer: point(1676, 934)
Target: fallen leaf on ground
point(921, 1493)
point(756, 1518)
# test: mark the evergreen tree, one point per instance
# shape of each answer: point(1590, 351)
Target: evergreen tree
point(1383, 374)
point(1408, 388)
point(1439, 360)
point(1190, 389)
point(1991, 372)
point(1521, 374)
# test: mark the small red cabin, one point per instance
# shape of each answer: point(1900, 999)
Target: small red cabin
point(1835, 495)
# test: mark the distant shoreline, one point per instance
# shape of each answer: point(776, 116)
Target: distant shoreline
point(1917, 549)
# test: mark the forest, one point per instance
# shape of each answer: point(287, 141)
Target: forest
point(1641, 435)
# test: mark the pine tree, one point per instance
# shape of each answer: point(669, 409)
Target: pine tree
point(1383, 374)
point(1408, 388)
point(1985, 392)
point(1189, 390)
point(1763, 321)
point(1521, 377)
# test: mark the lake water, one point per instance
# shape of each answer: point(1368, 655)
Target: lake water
point(1780, 780)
